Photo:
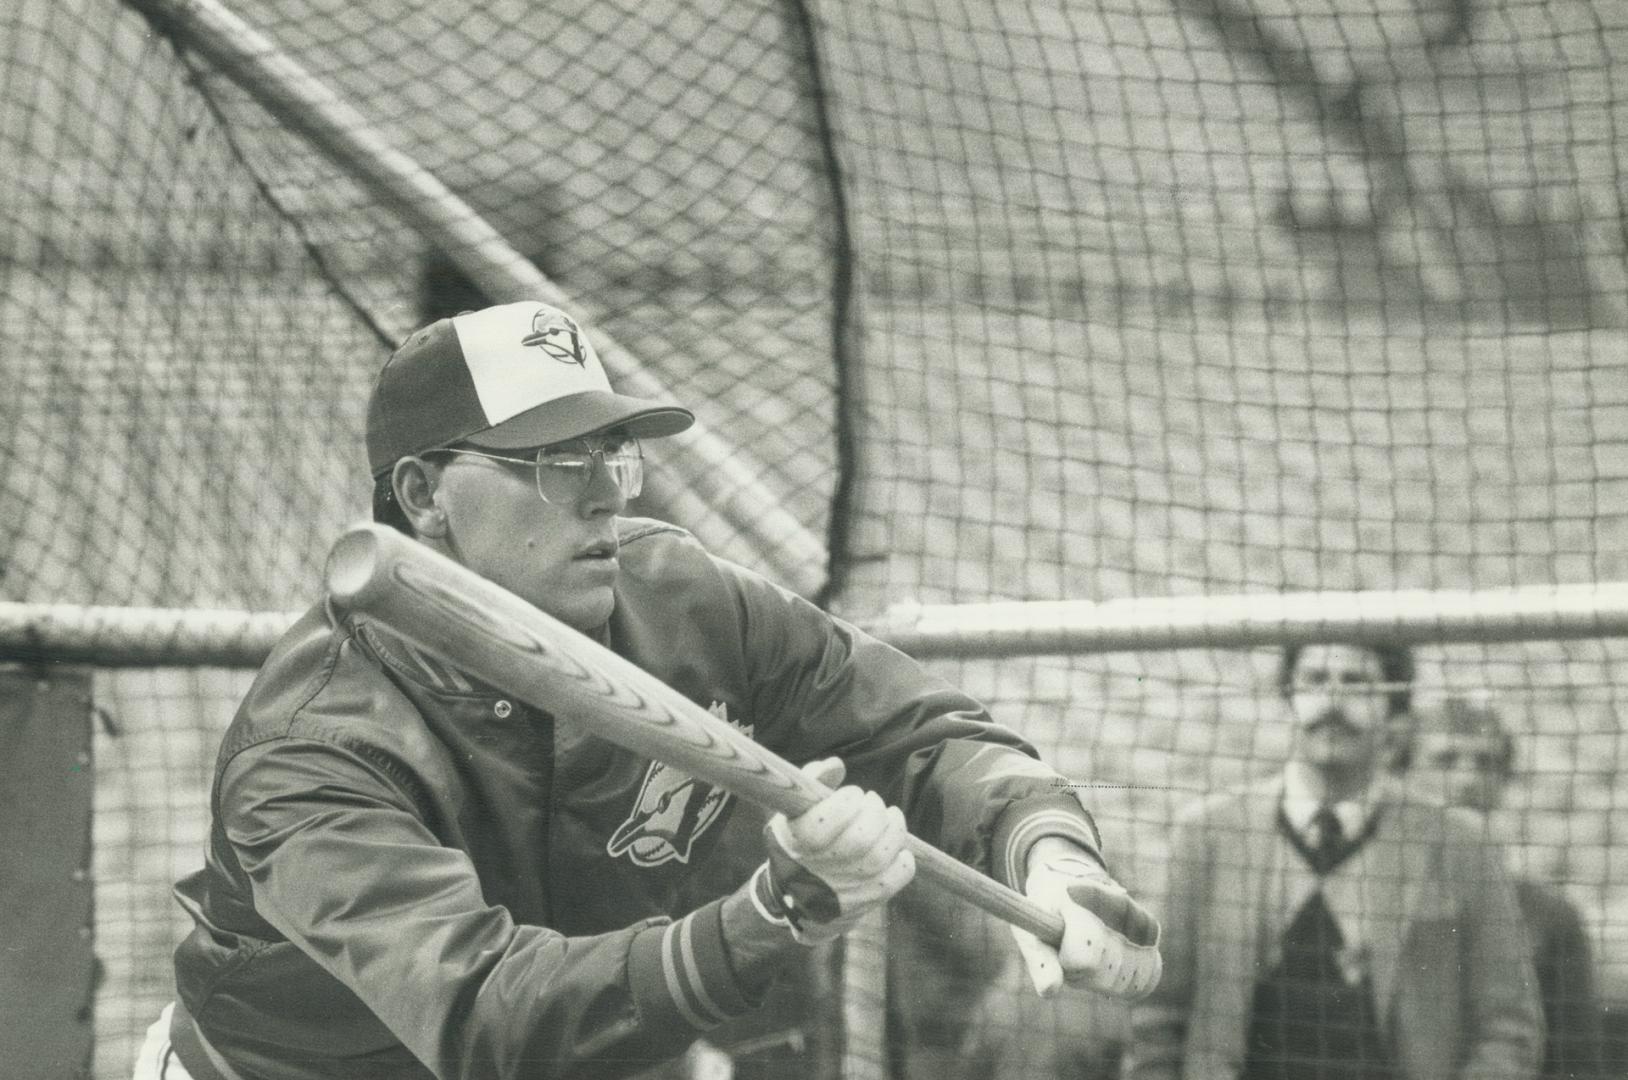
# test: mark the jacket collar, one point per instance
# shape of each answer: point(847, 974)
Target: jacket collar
point(411, 662)
point(424, 669)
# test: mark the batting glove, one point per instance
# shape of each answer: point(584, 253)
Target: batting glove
point(839, 859)
point(1110, 942)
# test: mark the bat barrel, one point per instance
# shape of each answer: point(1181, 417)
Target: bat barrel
point(478, 626)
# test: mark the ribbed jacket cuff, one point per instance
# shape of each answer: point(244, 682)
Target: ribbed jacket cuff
point(681, 973)
point(1026, 821)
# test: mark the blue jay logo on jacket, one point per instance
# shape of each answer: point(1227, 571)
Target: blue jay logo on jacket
point(672, 811)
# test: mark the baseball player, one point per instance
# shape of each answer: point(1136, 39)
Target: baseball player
point(412, 874)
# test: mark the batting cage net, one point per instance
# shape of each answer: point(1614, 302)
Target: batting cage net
point(1018, 302)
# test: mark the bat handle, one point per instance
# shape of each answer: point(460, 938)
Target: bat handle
point(943, 870)
point(984, 892)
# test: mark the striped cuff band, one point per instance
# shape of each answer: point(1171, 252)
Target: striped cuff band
point(681, 974)
point(1026, 821)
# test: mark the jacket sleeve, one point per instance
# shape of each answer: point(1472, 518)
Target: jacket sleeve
point(1503, 1015)
point(1565, 970)
point(1159, 1023)
point(342, 863)
point(967, 785)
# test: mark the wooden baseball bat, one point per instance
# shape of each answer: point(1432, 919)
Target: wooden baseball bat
point(482, 628)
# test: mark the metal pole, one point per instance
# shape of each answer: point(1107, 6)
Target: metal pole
point(146, 637)
point(712, 486)
point(1231, 622)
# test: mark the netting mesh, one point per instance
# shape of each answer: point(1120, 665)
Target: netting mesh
point(183, 381)
point(1019, 300)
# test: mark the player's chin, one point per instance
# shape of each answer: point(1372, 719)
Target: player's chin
point(584, 607)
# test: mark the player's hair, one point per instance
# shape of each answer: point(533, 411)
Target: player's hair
point(386, 510)
point(1395, 666)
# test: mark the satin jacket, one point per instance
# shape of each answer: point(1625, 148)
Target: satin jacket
point(411, 874)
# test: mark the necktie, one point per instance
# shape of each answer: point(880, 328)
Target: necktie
point(1328, 839)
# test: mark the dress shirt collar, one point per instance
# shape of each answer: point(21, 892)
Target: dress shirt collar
point(1300, 805)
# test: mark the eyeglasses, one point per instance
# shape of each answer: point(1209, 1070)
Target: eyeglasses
point(564, 475)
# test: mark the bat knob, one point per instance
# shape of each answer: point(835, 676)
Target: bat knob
point(353, 562)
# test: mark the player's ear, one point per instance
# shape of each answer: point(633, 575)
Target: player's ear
point(414, 481)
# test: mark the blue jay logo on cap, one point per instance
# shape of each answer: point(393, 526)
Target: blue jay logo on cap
point(558, 336)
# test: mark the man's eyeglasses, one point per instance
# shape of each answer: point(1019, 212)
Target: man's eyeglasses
point(564, 473)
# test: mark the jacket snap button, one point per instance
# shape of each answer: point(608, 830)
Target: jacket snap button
point(503, 709)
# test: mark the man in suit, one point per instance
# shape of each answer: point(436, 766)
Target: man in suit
point(1323, 924)
point(1464, 747)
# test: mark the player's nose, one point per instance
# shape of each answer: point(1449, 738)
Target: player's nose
point(603, 493)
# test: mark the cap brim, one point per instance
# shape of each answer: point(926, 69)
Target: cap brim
point(577, 415)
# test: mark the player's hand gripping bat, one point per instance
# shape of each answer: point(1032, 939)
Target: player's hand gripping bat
point(484, 629)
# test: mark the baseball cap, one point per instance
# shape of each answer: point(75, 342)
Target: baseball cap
point(505, 378)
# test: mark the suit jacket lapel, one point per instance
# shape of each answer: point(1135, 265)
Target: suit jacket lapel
point(1277, 877)
point(1378, 890)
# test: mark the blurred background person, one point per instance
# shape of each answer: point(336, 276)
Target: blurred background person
point(1464, 747)
point(1323, 924)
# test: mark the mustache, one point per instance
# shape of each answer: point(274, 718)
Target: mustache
point(1334, 718)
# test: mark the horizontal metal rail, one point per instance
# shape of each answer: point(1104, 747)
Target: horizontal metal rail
point(186, 637)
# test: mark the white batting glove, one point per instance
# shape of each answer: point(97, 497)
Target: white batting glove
point(834, 862)
point(703, 1061)
point(1110, 942)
